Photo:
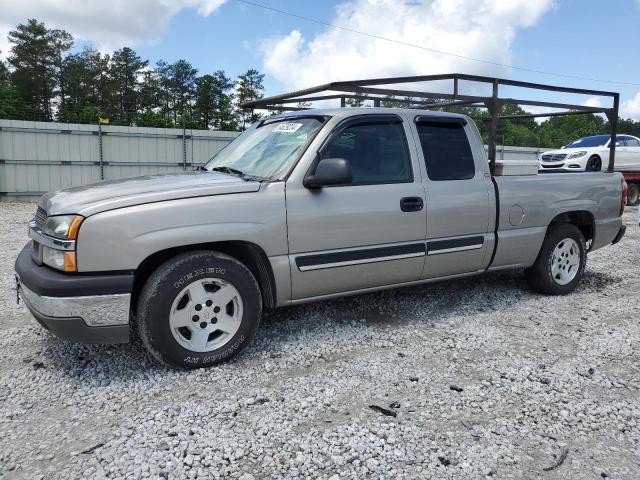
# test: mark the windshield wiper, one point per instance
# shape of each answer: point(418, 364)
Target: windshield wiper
point(234, 171)
point(227, 169)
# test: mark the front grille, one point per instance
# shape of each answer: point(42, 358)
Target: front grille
point(554, 157)
point(41, 216)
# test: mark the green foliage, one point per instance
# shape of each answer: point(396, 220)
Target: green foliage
point(626, 126)
point(213, 99)
point(355, 101)
point(392, 102)
point(249, 87)
point(553, 132)
point(559, 131)
point(150, 118)
point(36, 60)
point(43, 81)
point(9, 99)
point(123, 71)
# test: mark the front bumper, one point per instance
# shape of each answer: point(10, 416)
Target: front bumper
point(77, 307)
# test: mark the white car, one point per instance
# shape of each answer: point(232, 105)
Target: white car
point(591, 154)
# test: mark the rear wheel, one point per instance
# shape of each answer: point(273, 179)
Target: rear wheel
point(199, 309)
point(561, 262)
point(594, 164)
point(633, 193)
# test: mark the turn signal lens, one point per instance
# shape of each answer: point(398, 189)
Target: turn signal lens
point(72, 234)
point(69, 261)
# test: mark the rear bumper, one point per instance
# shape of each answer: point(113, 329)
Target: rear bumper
point(607, 231)
point(620, 234)
point(81, 308)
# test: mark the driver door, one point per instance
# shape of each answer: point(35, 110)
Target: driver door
point(363, 234)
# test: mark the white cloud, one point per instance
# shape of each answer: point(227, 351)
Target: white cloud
point(109, 24)
point(482, 29)
point(631, 108)
point(594, 101)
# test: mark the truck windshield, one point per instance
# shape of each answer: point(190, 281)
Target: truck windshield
point(595, 141)
point(269, 150)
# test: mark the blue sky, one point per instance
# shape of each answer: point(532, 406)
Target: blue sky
point(585, 38)
point(573, 38)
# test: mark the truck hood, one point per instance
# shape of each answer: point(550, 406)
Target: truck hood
point(98, 197)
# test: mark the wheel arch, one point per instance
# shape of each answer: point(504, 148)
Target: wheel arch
point(583, 219)
point(248, 253)
point(633, 189)
point(594, 155)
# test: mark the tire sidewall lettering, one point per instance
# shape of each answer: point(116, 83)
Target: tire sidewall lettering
point(198, 273)
point(206, 358)
point(175, 275)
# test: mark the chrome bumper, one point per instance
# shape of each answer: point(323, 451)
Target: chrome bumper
point(95, 311)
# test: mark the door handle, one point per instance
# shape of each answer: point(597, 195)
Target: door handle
point(411, 204)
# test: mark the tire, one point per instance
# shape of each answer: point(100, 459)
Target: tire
point(555, 274)
point(199, 309)
point(633, 193)
point(594, 164)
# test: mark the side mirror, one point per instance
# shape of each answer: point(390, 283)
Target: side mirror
point(329, 171)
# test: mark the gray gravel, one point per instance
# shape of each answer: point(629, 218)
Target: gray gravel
point(486, 379)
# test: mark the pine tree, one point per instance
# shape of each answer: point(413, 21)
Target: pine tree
point(183, 85)
point(61, 42)
point(249, 87)
point(124, 70)
point(178, 84)
point(9, 101)
point(212, 98)
point(35, 53)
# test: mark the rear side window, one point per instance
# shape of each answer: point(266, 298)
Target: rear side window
point(446, 151)
point(377, 153)
point(632, 142)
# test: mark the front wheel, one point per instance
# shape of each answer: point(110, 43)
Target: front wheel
point(561, 262)
point(594, 164)
point(198, 309)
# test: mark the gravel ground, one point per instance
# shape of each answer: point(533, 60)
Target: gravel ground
point(483, 377)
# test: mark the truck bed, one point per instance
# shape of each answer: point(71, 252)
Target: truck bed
point(527, 204)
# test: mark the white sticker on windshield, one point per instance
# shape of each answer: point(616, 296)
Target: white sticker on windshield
point(287, 127)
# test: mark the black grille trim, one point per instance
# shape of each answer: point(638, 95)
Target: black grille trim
point(41, 217)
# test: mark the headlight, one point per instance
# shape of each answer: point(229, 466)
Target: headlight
point(579, 154)
point(63, 226)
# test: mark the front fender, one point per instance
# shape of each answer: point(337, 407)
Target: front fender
point(121, 239)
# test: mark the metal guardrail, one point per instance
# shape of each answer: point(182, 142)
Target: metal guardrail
point(111, 134)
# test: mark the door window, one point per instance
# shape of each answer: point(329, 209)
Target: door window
point(446, 151)
point(376, 152)
point(632, 142)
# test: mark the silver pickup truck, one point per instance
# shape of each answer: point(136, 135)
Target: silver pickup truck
point(302, 207)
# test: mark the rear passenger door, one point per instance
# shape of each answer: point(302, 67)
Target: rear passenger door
point(457, 197)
